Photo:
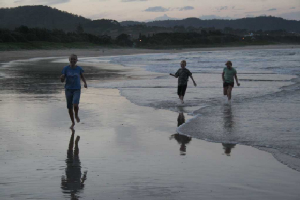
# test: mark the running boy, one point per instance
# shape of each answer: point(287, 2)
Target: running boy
point(72, 74)
point(183, 75)
point(228, 82)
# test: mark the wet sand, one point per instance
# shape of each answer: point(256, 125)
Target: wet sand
point(128, 151)
point(6, 56)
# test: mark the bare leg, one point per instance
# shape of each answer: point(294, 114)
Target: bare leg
point(71, 144)
point(76, 108)
point(76, 149)
point(225, 90)
point(72, 118)
point(229, 92)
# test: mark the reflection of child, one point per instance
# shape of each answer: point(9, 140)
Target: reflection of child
point(73, 181)
point(183, 75)
point(72, 74)
point(181, 139)
point(227, 148)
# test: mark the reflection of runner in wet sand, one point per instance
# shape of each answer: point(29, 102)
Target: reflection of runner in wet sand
point(181, 139)
point(72, 182)
point(183, 75)
point(228, 75)
point(227, 148)
point(72, 74)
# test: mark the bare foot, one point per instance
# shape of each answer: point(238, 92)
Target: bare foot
point(77, 119)
point(72, 126)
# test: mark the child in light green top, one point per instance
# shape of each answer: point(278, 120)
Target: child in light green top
point(228, 75)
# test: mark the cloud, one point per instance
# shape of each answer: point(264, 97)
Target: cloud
point(206, 17)
point(186, 8)
point(164, 17)
point(41, 2)
point(293, 8)
point(222, 8)
point(261, 11)
point(157, 9)
point(132, 0)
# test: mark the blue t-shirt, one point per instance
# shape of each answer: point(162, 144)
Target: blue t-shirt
point(72, 76)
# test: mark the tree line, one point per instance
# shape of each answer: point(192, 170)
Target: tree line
point(251, 23)
point(24, 34)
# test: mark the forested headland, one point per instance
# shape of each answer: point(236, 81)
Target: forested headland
point(34, 27)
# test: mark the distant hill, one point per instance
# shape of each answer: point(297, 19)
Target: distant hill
point(39, 16)
point(132, 23)
point(50, 18)
point(257, 23)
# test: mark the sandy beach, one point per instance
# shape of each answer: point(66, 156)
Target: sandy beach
point(25, 54)
point(127, 151)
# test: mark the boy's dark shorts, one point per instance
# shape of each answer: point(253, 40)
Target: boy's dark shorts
point(181, 90)
point(225, 84)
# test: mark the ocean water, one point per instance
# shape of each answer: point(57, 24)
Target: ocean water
point(264, 111)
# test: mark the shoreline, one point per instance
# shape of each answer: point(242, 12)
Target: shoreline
point(6, 56)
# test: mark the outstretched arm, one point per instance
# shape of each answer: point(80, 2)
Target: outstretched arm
point(83, 79)
point(174, 75)
point(83, 177)
point(236, 80)
point(195, 84)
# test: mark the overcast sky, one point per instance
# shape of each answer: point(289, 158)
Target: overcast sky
point(145, 10)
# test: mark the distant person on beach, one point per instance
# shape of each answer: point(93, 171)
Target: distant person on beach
point(183, 75)
point(228, 76)
point(72, 74)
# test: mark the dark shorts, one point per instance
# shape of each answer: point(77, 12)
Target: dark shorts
point(181, 90)
point(72, 97)
point(225, 84)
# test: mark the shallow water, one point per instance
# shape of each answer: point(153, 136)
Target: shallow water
point(265, 108)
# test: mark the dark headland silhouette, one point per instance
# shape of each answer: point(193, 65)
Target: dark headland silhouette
point(26, 24)
point(50, 18)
